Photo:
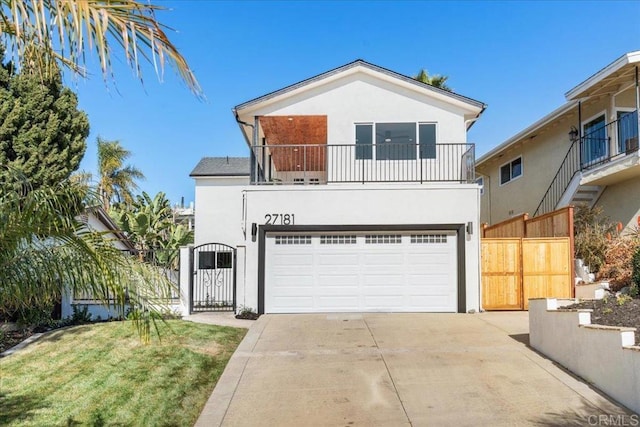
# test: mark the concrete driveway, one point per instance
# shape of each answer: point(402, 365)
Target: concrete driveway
point(398, 369)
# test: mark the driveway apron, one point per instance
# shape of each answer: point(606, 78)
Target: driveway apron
point(395, 370)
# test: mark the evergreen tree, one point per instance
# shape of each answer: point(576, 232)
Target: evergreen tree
point(42, 132)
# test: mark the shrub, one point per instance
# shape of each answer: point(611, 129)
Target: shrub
point(617, 268)
point(635, 276)
point(592, 233)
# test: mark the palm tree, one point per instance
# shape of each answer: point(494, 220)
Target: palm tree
point(42, 33)
point(45, 247)
point(150, 226)
point(117, 180)
point(435, 80)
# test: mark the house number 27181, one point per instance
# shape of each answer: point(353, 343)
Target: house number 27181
point(279, 219)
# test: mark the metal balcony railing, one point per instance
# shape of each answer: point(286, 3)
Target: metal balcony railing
point(600, 145)
point(363, 163)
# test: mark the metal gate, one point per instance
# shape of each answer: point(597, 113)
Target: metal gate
point(213, 282)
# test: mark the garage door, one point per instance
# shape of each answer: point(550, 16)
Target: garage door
point(331, 272)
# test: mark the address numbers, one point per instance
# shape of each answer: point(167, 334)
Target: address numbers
point(280, 219)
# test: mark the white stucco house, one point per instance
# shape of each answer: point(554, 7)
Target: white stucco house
point(358, 195)
point(97, 219)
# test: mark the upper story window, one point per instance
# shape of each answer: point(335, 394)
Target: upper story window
point(511, 170)
point(396, 141)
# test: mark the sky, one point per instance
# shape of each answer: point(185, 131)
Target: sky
point(519, 58)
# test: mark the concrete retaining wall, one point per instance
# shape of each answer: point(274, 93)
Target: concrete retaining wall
point(605, 356)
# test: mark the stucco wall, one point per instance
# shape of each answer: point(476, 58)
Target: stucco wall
point(621, 203)
point(220, 217)
point(603, 356)
point(542, 154)
point(361, 98)
point(541, 158)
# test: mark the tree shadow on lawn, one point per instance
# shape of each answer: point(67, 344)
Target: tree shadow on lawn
point(16, 407)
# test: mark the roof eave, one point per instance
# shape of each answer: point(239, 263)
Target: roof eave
point(627, 58)
point(526, 132)
point(366, 65)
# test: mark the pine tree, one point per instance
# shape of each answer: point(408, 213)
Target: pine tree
point(42, 132)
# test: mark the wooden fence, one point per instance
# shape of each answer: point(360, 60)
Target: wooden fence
point(526, 258)
point(516, 269)
point(558, 223)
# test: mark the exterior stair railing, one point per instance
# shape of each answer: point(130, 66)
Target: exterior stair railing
point(568, 169)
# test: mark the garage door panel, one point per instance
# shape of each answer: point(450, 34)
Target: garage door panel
point(376, 280)
point(335, 259)
point(333, 273)
point(383, 259)
point(339, 280)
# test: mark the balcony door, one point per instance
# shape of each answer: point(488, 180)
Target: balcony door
point(595, 144)
point(627, 131)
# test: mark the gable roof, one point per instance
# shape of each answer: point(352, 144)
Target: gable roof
point(368, 66)
point(222, 166)
point(111, 226)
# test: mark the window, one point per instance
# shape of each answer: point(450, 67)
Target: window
point(382, 238)
point(338, 240)
point(396, 141)
point(428, 238)
point(206, 260)
point(627, 131)
point(427, 135)
point(364, 141)
point(595, 143)
point(209, 260)
point(511, 170)
point(224, 259)
point(293, 240)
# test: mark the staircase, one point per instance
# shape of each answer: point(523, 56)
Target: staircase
point(565, 188)
point(586, 195)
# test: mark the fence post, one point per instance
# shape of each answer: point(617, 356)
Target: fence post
point(186, 275)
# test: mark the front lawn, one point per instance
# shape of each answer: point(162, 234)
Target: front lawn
point(101, 374)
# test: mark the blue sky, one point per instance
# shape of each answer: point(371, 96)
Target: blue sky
point(517, 57)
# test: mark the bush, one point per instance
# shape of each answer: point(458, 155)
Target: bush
point(634, 289)
point(617, 268)
point(592, 233)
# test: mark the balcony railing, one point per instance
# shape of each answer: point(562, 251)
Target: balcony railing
point(609, 141)
point(600, 145)
point(363, 163)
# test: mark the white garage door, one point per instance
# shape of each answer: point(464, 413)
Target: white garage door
point(331, 272)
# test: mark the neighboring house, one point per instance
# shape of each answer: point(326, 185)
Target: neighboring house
point(584, 152)
point(183, 215)
point(97, 219)
point(359, 194)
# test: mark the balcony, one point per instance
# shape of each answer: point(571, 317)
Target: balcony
point(316, 164)
point(609, 152)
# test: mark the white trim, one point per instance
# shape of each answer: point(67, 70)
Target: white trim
point(469, 105)
point(590, 119)
point(627, 58)
point(510, 170)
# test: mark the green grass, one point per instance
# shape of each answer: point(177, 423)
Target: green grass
point(102, 374)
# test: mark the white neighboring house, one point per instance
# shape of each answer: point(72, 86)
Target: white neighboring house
point(97, 219)
point(359, 195)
